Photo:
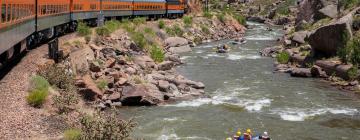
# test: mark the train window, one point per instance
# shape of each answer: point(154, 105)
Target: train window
point(3, 13)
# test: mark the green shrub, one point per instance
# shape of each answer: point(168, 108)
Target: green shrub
point(169, 31)
point(207, 14)
point(139, 39)
point(149, 31)
point(221, 17)
point(161, 24)
point(37, 98)
point(187, 21)
point(39, 82)
point(283, 57)
point(87, 39)
point(102, 84)
point(240, 19)
point(83, 29)
point(58, 76)
point(72, 134)
point(105, 127)
point(349, 3)
point(205, 29)
point(139, 20)
point(112, 25)
point(157, 54)
point(177, 30)
point(353, 72)
point(103, 31)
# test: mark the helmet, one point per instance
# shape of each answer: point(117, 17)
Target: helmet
point(265, 133)
point(228, 138)
point(248, 131)
point(238, 133)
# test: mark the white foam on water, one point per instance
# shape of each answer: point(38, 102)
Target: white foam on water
point(238, 57)
point(259, 37)
point(199, 51)
point(184, 57)
point(213, 55)
point(256, 105)
point(296, 114)
point(171, 119)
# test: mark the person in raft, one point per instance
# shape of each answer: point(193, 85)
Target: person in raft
point(264, 136)
point(238, 136)
point(247, 134)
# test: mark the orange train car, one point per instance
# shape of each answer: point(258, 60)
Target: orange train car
point(117, 8)
point(84, 9)
point(17, 20)
point(149, 7)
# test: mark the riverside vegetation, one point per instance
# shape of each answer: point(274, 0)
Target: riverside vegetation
point(124, 63)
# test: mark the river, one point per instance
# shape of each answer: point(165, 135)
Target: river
point(246, 93)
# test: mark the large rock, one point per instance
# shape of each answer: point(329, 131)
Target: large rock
point(301, 72)
point(180, 49)
point(328, 39)
point(90, 89)
point(329, 11)
point(332, 68)
point(176, 42)
point(164, 85)
point(139, 96)
point(309, 10)
point(166, 65)
point(270, 51)
point(282, 21)
point(144, 61)
point(317, 71)
point(299, 37)
point(79, 59)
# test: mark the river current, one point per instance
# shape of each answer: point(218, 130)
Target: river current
point(244, 92)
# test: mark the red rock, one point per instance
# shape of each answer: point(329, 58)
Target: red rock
point(91, 91)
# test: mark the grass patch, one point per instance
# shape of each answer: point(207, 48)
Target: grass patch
point(139, 20)
point(102, 84)
point(207, 14)
point(240, 19)
point(72, 134)
point(221, 17)
point(175, 31)
point(38, 92)
point(157, 54)
point(353, 72)
point(349, 3)
point(161, 24)
point(102, 31)
point(187, 21)
point(149, 31)
point(205, 29)
point(283, 58)
point(83, 29)
point(139, 39)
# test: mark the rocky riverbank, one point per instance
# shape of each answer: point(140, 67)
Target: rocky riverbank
point(321, 42)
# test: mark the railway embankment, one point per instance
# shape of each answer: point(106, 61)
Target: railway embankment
point(127, 63)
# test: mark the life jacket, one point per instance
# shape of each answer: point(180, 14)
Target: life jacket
point(247, 136)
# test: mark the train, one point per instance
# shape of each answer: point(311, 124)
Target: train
point(27, 23)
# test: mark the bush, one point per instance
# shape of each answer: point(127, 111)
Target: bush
point(102, 127)
point(221, 17)
point(139, 39)
point(177, 30)
point(207, 14)
point(187, 21)
point(353, 72)
point(157, 54)
point(58, 76)
point(283, 57)
point(139, 20)
point(149, 31)
point(349, 3)
point(39, 83)
point(112, 25)
point(103, 31)
point(66, 101)
point(169, 31)
point(83, 29)
point(205, 29)
point(72, 134)
point(102, 84)
point(37, 97)
point(240, 19)
point(161, 24)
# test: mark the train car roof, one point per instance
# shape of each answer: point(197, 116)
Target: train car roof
point(149, 0)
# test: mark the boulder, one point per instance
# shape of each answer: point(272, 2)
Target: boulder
point(317, 71)
point(328, 11)
point(163, 85)
point(196, 85)
point(176, 41)
point(299, 37)
point(270, 51)
point(110, 63)
point(308, 9)
point(174, 58)
point(328, 39)
point(79, 59)
point(95, 66)
point(332, 68)
point(180, 49)
point(300, 72)
point(114, 97)
point(166, 65)
point(282, 68)
point(282, 21)
point(139, 96)
point(90, 89)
